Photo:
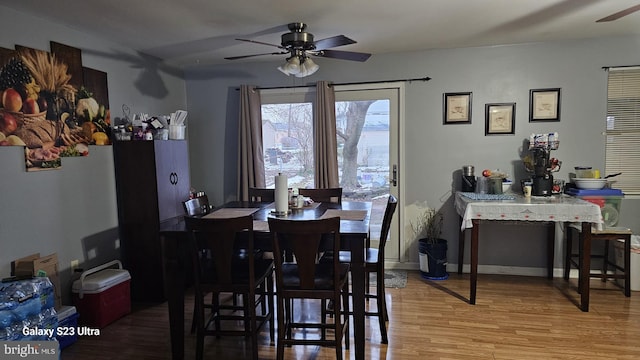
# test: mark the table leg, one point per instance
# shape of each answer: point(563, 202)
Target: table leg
point(358, 298)
point(585, 265)
point(551, 243)
point(174, 283)
point(474, 261)
point(568, 248)
point(460, 247)
point(627, 266)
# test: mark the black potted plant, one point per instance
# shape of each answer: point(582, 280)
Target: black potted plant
point(433, 248)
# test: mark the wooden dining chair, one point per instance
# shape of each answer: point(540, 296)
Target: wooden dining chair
point(306, 278)
point(218, 269)
point(331, 195)
point(261, 194)
point(374, 264)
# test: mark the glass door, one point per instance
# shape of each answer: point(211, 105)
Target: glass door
point(367, 130)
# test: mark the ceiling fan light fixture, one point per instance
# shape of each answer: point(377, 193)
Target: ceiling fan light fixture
point(291, 66)
point(302, 73)
point(281, 68)
point(310, 66)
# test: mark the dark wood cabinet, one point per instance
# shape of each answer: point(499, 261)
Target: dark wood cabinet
point(152, 181)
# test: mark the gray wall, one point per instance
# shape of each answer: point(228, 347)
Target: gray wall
point(72, 211)
point(434, 153)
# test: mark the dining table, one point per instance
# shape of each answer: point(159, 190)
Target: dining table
point(475, 209)
point(354, 232)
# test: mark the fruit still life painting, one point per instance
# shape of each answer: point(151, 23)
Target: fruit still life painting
point(51, 105)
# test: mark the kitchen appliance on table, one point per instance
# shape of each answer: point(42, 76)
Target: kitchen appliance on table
point(468, 178)
point(542, 164)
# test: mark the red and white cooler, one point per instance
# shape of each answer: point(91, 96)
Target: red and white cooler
point(102, 295)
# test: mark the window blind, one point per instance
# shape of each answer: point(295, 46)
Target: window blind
point(623, 128)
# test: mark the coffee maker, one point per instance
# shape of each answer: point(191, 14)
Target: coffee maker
point(468, 178)
point(542, 164)
point(542, 180)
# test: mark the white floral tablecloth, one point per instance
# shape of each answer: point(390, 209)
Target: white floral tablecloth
point(557, 208)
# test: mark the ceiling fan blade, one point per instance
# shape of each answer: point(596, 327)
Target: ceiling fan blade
point(252, 55)
point(344, 55)
point(339, 40)
point(620, 14)
point(261, 43)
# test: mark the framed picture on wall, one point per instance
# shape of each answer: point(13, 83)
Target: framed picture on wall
point(544, 105)
point(500, 119)
point(456, 108)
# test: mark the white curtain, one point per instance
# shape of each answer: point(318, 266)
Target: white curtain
point(250, 151)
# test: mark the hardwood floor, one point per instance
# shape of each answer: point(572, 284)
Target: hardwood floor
point(515, 318)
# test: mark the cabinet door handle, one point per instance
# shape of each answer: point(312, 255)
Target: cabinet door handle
point(173, 178)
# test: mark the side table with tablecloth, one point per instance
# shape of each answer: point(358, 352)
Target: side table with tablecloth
point(558, 209)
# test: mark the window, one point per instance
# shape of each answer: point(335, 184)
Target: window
point(623, 128)
point(367, 119)
point(363, 123)
point(287, 136)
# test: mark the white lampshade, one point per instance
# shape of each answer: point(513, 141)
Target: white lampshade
point(303, 71)
point(307, 68)
point(310, 66)
point(291, 67)
point(282, 69)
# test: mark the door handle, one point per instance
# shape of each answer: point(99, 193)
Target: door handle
point(173, 178)
point(394, 180)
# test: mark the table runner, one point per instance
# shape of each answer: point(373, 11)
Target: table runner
point(357, 215)
point(226, 213)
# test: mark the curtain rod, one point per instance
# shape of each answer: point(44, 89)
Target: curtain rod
point(426, 78)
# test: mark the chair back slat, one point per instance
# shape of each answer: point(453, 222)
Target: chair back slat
point(305, 249)
point(331, 195)
point(261, 195)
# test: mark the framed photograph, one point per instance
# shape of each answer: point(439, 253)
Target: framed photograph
point(457, 108)
point(500, 119)
point(544, 105)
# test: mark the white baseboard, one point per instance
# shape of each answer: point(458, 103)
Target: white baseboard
point(488, 269)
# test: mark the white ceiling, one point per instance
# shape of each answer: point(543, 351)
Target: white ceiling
point(184, 32)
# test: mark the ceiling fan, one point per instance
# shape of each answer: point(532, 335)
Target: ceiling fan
point(300, 45)
point(619, 14)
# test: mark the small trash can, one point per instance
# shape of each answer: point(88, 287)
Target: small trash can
point(433, 259)
point(102, 295)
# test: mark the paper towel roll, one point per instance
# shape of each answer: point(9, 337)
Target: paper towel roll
point(282, 194)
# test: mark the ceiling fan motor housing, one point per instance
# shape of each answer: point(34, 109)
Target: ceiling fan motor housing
point(298, 38)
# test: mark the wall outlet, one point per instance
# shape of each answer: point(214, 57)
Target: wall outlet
point(74, 265)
